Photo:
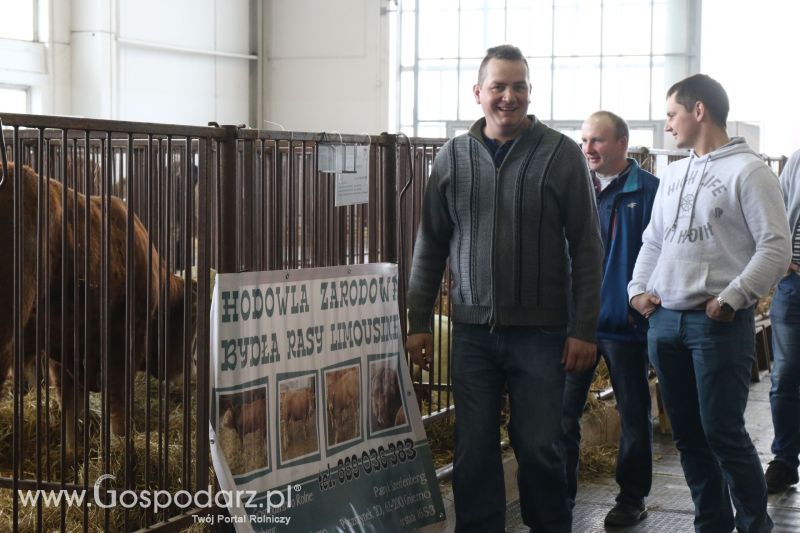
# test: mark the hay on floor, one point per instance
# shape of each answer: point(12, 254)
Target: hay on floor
point(49, 458)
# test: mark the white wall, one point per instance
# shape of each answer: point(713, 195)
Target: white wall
point(173, 61)
point(326, 65)
point(184, 61)
point(750, 47)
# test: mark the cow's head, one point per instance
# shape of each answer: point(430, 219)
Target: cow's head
point(175, 337)
point(384, 391)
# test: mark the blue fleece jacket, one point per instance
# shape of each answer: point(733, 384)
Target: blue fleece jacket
point(630, 213)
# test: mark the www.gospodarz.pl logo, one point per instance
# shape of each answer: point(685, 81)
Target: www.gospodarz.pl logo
point(272, 500)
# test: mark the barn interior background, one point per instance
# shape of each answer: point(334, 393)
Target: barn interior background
point(229, 198)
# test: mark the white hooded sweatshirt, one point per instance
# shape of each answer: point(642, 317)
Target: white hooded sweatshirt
point(718, 228)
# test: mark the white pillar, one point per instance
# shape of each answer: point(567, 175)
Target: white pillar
point(683, 25)
point(92, 50)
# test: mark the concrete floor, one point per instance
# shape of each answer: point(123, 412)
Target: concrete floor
point(670, 504)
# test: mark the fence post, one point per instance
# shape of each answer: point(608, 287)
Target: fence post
point(203, 302)
point(227, 249)
point(389, 224)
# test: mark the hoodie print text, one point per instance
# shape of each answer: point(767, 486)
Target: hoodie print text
point(694, 183)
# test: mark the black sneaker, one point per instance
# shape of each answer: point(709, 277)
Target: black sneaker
point(780, 476)
point(624, 514)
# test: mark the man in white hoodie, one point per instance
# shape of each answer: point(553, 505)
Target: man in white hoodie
point(717, 240)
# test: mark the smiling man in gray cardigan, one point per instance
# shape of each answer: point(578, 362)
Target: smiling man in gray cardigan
point(511, 205)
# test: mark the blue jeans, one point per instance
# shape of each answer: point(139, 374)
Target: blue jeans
point(628, 367)
point(527, 361)
point(703, 370)
point(784, 397)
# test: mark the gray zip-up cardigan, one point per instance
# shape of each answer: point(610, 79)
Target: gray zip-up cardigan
point(513, 235)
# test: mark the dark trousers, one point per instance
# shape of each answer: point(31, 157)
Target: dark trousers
point(527, 361)
point(784, 397)
point(628, 366)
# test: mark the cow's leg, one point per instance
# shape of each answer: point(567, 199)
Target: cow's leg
point(65, 396)
point(5, 361)
point(117, 408)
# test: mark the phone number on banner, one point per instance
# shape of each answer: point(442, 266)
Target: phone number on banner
point(370, 461)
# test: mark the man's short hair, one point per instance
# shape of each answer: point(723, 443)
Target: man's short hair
point(620, 126)
point(703, 88)
point(504, 51)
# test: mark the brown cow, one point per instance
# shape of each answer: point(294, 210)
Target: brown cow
point(384, 396)
point(344, 401)
point(84, 314)
point(247, 417)
point(253, 417)
point(297, 406)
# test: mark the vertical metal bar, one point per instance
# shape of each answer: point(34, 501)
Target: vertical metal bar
point(389, 249)
point(161, 195)
point(148, 335)
point(19, 228)
point(50, 267)
point(317, 236)
point(130, 319)
point(267, 206)
point(277, 188)
point(247, 198)
point(203, 299)
point(83, 377)
point(305, 207)
point(291, 222)
point(106, 156)
point(374, 229)
point(74, 313)
point(187, 303)
point(227, 202)
point(165, 290)
point(41, 303)
point(62, 325)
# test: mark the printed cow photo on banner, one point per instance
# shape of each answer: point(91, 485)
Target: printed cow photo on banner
point(242, 430)
point(343, 405)
point(387, 409)
point(298, 417)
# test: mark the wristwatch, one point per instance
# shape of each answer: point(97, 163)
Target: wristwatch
point(724, 305)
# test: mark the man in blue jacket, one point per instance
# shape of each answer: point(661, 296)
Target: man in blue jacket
point(625, 195)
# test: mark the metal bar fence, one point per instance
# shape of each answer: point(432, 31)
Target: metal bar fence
point(99, 217)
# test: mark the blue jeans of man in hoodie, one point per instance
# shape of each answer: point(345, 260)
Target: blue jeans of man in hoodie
point(784, 397)
point(628, 366)
point(704, 369)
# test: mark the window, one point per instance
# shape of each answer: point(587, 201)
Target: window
point(19, 19)
point(13, 99)
point(584, 55)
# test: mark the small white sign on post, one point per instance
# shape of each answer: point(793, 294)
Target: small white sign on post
point(352, 180)
point(329, 157)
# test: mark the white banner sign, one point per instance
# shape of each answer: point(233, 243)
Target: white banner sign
point(314, 424)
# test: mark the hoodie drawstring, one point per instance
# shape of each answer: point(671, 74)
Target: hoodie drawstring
point(680, 195)
point(696, 193)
